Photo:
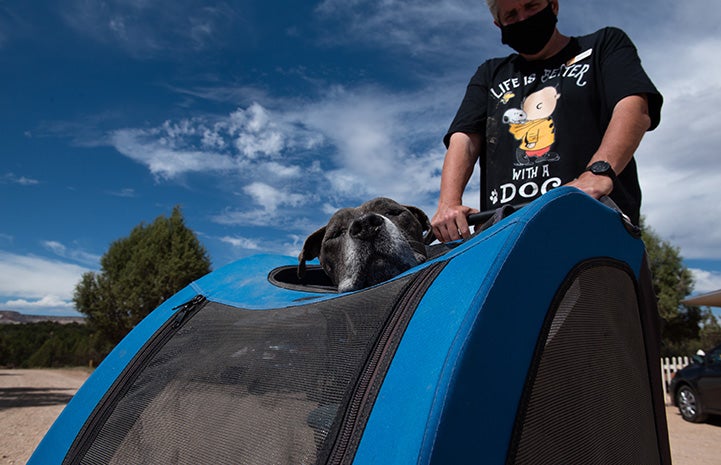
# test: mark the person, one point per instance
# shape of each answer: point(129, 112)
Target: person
point(561, 111)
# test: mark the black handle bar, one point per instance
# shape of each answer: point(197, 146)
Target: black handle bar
point(474, 219)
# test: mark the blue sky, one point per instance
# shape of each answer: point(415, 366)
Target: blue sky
point(261, 118)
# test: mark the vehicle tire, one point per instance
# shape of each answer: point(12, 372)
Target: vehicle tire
point(689, 404)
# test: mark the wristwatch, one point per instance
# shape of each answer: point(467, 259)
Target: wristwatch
point(602, 168)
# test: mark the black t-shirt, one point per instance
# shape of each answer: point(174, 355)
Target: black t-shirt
point(543, 121)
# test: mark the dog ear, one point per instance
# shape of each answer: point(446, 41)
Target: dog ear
point(311, 249)
point(421, 216)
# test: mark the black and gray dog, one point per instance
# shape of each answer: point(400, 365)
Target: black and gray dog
point(363, 246)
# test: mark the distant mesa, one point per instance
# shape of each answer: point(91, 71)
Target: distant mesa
point(16, 318)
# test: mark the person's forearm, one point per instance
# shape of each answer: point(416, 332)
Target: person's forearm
point(629, 122)
point(458, 168)
point(449, 222)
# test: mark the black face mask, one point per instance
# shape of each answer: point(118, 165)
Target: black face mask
point(532, 34)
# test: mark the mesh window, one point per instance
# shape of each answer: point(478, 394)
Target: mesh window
point(245, 387)
point(590, 401)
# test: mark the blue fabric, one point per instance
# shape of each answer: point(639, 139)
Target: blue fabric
point(451, 393)
point(452, 390)
point(60, 437)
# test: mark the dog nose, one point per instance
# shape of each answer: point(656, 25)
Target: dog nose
point(366, 226)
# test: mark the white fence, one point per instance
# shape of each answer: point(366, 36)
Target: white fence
point(669, 366)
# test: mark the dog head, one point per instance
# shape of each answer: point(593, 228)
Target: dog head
point(363, 246)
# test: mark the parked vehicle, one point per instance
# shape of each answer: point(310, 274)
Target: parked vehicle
point(696, 388)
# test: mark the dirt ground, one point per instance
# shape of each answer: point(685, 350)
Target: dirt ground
point(30, 400)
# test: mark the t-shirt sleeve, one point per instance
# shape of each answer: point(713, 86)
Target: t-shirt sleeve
point(471, 115)
point(623, 75)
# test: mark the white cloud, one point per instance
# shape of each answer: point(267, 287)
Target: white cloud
point(347, 146)
point(212, 139)
point(384, 143)
point(162, 156)
point(12, 178)
point(271, 198)
point(147, 29)
point(36, 277)
point(48, 302)
point(72, 253)
point(290, 245)
point(55, 247)
point(127, 192)
point(254, 133)
point(344, 147)
point(705, 281)
point(234, 217)
point(241, 242)
point(439, 31)
point(279, 170)
point(270, 204)
point(30, 282)
point(677, 161)
point(247, 142)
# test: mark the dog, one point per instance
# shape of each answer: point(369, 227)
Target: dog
point(367, 245)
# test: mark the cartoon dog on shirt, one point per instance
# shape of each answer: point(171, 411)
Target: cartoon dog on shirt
point(533, 126)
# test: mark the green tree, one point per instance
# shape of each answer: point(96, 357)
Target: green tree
point(45, 344)
point(137, 274)
point(673, 282)
point(710, 330)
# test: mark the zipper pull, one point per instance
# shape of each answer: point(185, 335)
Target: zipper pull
point(186, 309)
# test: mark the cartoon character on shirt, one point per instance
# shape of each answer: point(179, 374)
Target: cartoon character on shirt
point(533, 126)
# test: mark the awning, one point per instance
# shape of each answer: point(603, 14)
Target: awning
point(712, 299)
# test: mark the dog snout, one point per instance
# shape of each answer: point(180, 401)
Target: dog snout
point(366, 227)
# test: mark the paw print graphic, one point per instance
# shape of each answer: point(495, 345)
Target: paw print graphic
point(494, 196)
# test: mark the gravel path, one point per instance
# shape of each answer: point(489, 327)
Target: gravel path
point(30, 400)
point(693, 443)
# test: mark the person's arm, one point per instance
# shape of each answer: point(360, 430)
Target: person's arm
point(449, 222)
point(629, 122)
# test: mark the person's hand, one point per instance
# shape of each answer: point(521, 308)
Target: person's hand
point(593, 184)
point(450, 224)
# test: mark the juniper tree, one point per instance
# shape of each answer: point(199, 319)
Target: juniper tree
point(137, 274)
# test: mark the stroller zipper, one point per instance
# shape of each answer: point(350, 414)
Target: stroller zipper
point(371, 378)
point(131, 372)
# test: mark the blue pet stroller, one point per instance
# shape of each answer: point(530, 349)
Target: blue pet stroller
point(534, 342)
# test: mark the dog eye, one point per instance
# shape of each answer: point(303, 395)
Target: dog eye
point(335, 233)
point(395, 212)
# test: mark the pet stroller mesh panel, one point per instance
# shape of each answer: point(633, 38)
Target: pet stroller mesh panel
point(533, 341)
point(245, 386)
point(590, 391)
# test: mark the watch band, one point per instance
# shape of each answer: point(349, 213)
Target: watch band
point(602, 168)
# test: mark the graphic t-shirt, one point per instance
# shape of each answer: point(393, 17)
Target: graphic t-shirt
point(543, 121)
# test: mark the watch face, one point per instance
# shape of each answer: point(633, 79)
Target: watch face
point(600, 167)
